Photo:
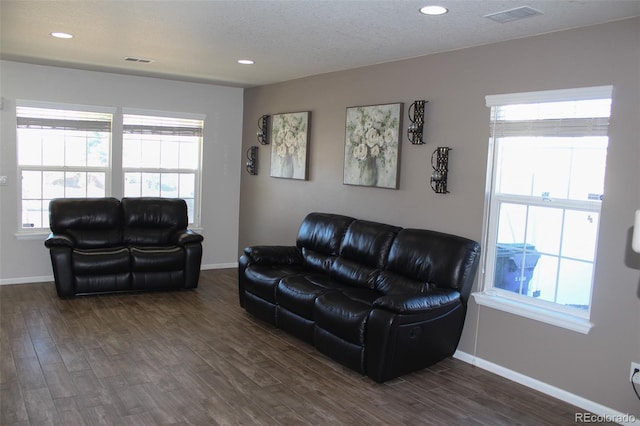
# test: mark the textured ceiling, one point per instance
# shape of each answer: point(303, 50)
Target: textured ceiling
point(202, 40)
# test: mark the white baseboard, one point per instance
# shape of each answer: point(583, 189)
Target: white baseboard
point(219, 266)
point(607, 414)
point(49, 278)
point(27, 280)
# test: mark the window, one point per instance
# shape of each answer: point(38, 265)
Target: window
point(545, 189)
point(161, 157)
point(63, 151)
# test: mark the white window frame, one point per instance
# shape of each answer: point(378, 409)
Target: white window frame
point(539, 310)
point(197, 201)
point(21, 103)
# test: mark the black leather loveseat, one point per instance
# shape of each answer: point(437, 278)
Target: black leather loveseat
point(377, 298)
point(100, 245)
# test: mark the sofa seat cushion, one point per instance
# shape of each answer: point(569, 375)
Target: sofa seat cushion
point(363, 295)
point(113, 260)
point(261, 280)
point(298, 293)
point(342, 316)
point(157, 259)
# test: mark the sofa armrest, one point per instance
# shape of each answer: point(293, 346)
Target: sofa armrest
point(59, 240)
point(189, 237)
point(417, 303)
point(269, 255)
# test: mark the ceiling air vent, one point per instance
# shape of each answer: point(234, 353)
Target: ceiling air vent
point(513, 14)
point(140, 60)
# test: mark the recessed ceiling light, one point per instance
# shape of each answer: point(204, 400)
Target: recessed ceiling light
point(61, 35)
point(246, 61)
point(433, 10)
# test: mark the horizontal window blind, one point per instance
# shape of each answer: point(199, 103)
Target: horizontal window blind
point(152, 125)
point(42, 118)
point(562, 95)
point(555, 113)
point(567, 127)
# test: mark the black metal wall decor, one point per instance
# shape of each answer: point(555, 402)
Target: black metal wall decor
point(440, 164)
point(416, 116)
point(252, 163)
point(263, 125)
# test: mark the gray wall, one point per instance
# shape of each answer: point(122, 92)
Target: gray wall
point(28, 260)
point(593, 366)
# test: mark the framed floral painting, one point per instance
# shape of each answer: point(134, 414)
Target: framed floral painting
point(372, 145)
point(290, 140)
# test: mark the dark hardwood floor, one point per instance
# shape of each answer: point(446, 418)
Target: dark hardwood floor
point(196, 357)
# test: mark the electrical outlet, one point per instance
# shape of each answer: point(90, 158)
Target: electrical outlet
point(635, 367)
point(3, 180)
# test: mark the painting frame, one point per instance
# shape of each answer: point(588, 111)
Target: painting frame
point(290, 145)
point(372, 145)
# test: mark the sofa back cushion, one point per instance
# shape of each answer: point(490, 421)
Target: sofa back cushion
point(319, 238)
point(421, 260)
point(90, 222)
point(363, 253)
point(153, 221)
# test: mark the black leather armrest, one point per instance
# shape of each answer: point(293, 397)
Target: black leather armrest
point(417, 303)
point(58, 240)
point(189, 237)
point(288, 255)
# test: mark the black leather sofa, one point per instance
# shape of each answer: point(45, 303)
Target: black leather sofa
point(379, 299)
point(104, 245)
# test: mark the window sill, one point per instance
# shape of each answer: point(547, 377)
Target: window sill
point(559, 319)
point(42, 235)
